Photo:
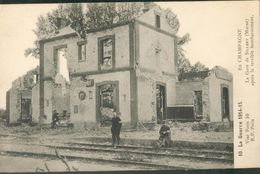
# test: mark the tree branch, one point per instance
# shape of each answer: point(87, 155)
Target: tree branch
point(62, 159)
point(46, 166)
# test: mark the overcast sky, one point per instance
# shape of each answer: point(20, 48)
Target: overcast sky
point(212, 27)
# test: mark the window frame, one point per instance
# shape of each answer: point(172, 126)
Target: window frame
point(80, 44)
point(100, 51)
point(75, 109)
point(56, 57)
point(201, 102)
point(157, 21)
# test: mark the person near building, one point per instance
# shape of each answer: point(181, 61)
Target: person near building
point(165, 136)
point(55, 119)
point(115, 128)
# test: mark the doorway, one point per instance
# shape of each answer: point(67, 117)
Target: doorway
point(225, 102)
point(26, 110)
point(160, 103)
point(107, 100)
point(198, 107)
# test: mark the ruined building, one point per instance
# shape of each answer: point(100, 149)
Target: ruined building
point(20, 97)
point(204, 95)
point(128, 67)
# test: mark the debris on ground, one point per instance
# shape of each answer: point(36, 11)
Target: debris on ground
point(184, 131)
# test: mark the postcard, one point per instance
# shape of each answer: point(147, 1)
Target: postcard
point(129, 86)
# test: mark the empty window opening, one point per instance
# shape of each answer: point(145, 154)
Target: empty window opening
point(160, 103)
point(106, 53)
point(225, 103)
point(26, 112)
point(35, 78)
point(82, 52)
point(76, 109)
point(158, 21)
point(62, 72)
point(198, 107)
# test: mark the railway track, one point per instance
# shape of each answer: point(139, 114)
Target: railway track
point(47, 152)
point(143, 157)
point(200, 154)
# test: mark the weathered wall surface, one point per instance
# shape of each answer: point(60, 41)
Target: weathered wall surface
point(156, 64)
point(26, 94)
point(146, 99)
point(21, 88)
point(91, 64)
point(87, 107)
point(55, 98)
point(185, 90)
point(185, 94)
point(215, 98)
point(48, 101)
point(15, 106)
point(211, 93)
point(35, 104)
point(147, 93)
point(156, 51)
point(171, 91)
point(49, 51)
point(205, 99)
point(149, 18)
point(61, 99)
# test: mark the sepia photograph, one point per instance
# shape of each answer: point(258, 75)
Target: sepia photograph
point(129, 86)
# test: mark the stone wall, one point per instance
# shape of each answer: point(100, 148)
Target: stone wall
point(35, 104)
point(147, 93)
point(50, 68)
point(15, 106)
point(21, 88)
point(215, 97)
point(211, 93)
point(206, 99)
point(149, 18)
point(48, 99)
point(156, 51)
point(185, 90)
point(91, 64)
point(154, 58)
point(156, 64)
point(61, 98)
point(87, 107)
point(52, 95)
point(55, 98)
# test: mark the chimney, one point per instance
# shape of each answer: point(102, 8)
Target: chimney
point(148, 6)
point(59, 23)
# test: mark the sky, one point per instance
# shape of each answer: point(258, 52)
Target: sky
point(211, 25)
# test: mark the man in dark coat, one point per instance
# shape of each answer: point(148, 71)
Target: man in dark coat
point(55, 118)
point(165, 136)
point(115, 129)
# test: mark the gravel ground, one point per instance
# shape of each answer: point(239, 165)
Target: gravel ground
point(6, 145)
point(180, 131)
point(27, 164)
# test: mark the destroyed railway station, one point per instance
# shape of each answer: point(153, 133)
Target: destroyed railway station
point(130, 67)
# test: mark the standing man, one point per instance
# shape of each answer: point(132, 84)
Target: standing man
point(55, 118)
point(115, 129)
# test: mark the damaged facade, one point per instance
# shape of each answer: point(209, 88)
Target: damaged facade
point(19, 99)
point(204, 95)
point(129, 67)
